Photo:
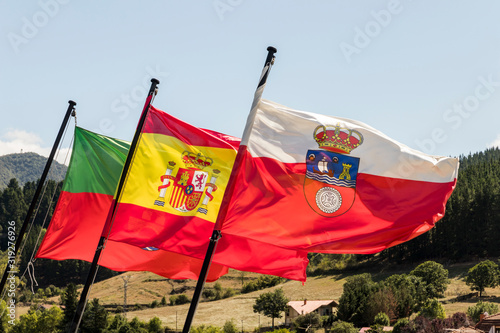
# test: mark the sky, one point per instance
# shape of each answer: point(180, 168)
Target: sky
point(425, 73)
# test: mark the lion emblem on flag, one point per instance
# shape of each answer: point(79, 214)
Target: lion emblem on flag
point(190, 184)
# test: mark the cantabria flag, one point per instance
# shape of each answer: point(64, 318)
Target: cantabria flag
point(317, 183)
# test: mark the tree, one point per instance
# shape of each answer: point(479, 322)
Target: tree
point(354, 299)
point(117, 322)
point(481, 307)
point(12, 207)
point(154, 325)
point(409, 292)
point(230, 327)
point(435, 276)
point(205, 329)
point(403, 322)
point(433, 309)
point(69, 299)
point(382, 319)
point(483, 275)
point(343, 327)
point(271, 304)
point(381, 299)
point(39, 320)
point(50, 320)
point(3, 316)
point(95, 318)
point(307, 323)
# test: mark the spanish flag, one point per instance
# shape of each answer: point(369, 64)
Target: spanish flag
point(172, 196)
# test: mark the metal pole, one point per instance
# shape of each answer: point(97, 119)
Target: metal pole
point(8, 267)
point(94, 266)
point(216, 233)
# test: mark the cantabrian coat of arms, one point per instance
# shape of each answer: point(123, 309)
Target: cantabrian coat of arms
point(330, 182)
point(190, 185)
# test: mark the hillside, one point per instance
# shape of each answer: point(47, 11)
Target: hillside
point(144, 288)
point(26, 167)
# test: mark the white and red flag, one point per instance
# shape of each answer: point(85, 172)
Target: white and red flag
point(317, 183)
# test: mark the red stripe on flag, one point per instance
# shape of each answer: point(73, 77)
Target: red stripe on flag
point(385, 212)
point(74, 234)
point(144, 227)
point(163, 123)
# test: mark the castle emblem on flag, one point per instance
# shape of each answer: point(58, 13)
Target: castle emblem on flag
point(190, 185)
point(330, 182)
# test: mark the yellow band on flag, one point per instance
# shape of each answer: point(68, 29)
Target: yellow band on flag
point(171, 176)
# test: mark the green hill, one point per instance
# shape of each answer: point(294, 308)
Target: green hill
point(26, 167)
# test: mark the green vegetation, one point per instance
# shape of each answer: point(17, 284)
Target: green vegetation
point(483, 275)
point(398, 296)
point(271, 304)
point(470, 229)
point(432, 309)
point(263, 282)
point(307, 323)
point(343, 327)
point(434, 276)
point(382, 319)
point(27, 167)
point(217, 292)
point(481, 307)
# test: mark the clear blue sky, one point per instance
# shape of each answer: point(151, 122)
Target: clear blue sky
point(425, 73)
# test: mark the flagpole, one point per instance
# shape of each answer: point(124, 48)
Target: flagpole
point(8, 267)
point(94, 266)
point(216, 234)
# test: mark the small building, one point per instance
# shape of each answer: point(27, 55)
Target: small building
point(385, 329)
point(298, 308)
point(490, 324)
point(464, 329)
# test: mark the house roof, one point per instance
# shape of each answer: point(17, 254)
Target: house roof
point(468, 329)
point(488, 321)
point(304, 307)
point(385, 329)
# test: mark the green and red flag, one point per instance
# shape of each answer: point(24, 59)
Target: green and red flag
point(81, 211)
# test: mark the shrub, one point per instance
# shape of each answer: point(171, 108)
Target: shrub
point(249, 287)
point(182, 299)
point(400, 325)
point(154, 325)
point(229, 292)
point(343, 327)
point(230, 327)
point(382, 319)
point(433, 309)
point(205, 329)
point(307, 323)
point(481, 307)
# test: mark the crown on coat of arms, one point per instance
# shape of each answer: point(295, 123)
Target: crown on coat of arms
point(337, 139)
point(193, 160)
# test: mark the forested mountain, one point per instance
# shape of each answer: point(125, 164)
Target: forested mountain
point(470, 229)
point(26, 167)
